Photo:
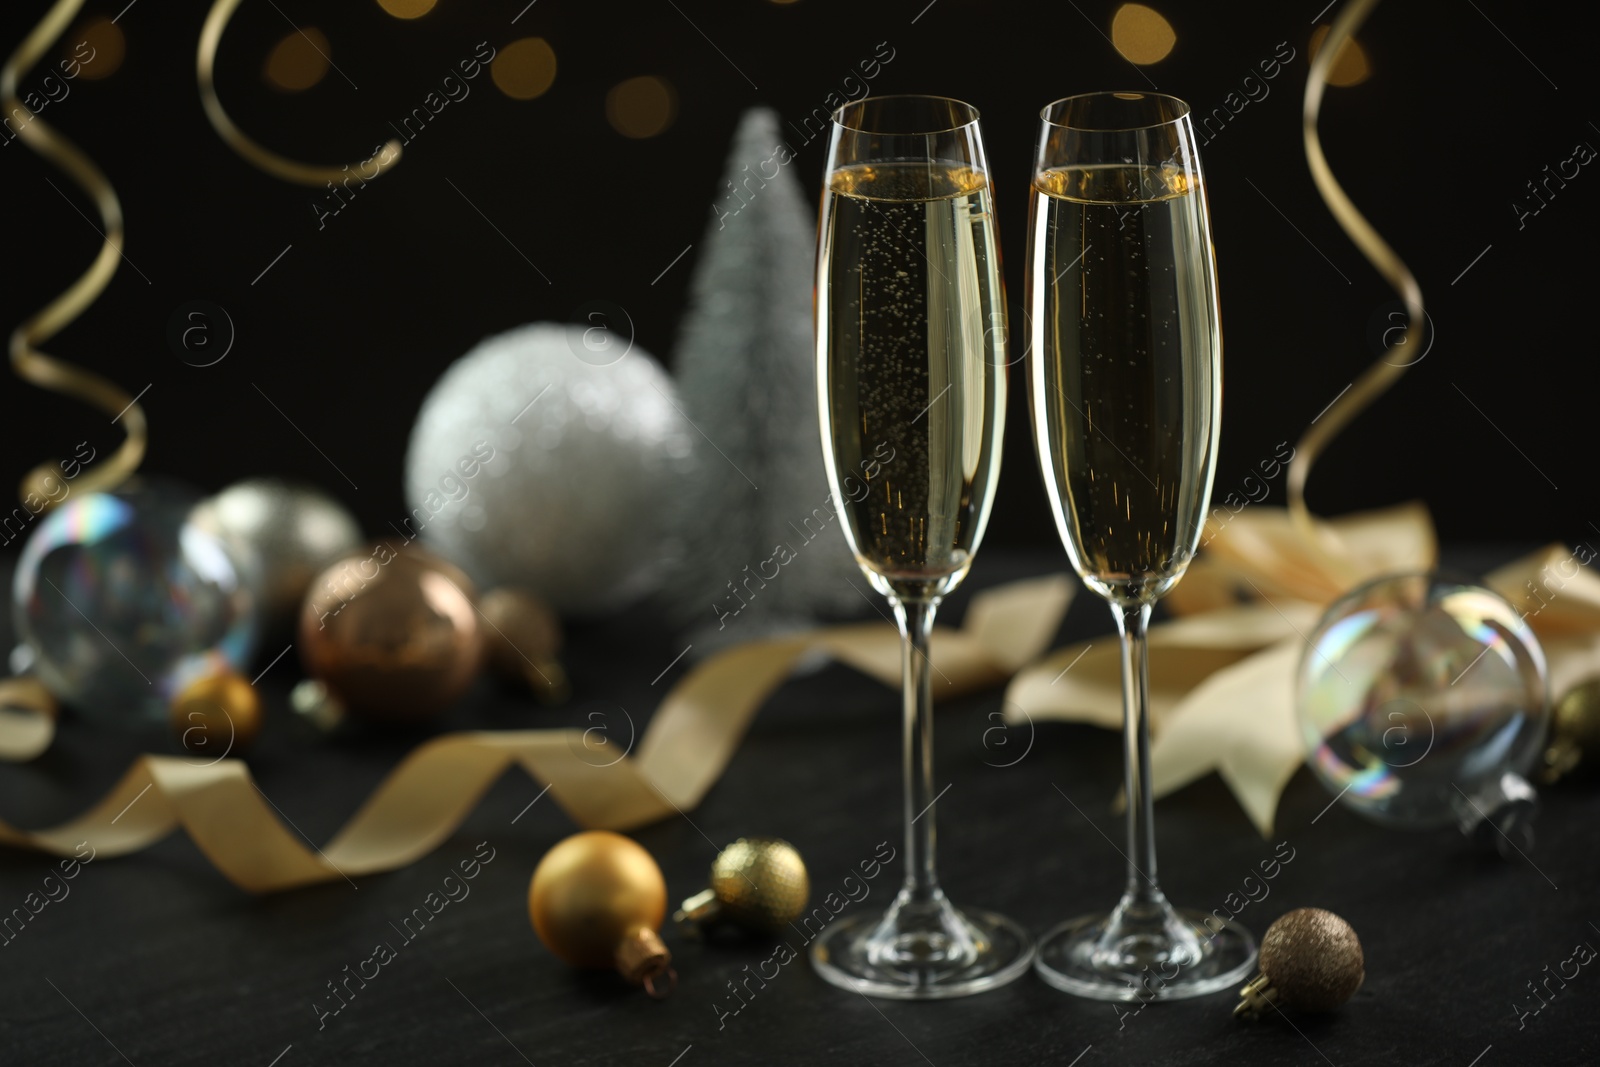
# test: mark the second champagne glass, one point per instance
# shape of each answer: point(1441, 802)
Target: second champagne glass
point(1125, 389)
point(912, 392)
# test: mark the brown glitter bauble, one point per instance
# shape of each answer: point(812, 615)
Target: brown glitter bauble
point(1312, 959)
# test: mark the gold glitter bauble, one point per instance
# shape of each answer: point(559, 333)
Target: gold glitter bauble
point(759, 883)
point(1310, 961)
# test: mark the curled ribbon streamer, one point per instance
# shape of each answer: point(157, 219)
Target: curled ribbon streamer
point(685, 750)
point(278, 166)
point(1383, 373)
point(31, 364)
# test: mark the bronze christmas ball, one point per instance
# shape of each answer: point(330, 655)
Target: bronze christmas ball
point(392, 633)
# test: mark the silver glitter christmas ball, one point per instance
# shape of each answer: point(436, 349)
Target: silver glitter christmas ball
point(544, 459)
point(296, 530)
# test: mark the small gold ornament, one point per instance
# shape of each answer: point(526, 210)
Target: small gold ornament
point(522, 641)
point(1310, 961)
point(596, 900)
point(217, 715)
point(1575, 729)
point(758, 883)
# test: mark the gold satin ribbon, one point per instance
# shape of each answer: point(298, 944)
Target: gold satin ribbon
point(27, 719)
point(30, 363)
point(688, 745)
point(278, 166)
point(1385, 371)
point(1222, 681)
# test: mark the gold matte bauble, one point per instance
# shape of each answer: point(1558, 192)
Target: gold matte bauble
point(758, 883)
point(1310, 960)
point(393, 634)
point(596, 900)
point(217, 715)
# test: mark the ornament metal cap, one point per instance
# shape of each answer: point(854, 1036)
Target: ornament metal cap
point(1499, 813)
point(643, 959)
point(758, 883)
point(1310, 960)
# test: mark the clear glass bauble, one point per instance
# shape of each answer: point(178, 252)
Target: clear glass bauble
point(124, 601)
point(1423, 702)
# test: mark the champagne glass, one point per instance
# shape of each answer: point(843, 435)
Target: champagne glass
point(1125, 390)
point(911, 388)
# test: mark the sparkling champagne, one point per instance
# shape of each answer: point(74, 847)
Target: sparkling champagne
point(911, 373)
point(1125, 371)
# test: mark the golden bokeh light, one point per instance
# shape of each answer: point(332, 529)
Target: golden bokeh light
point(641, 107)
point(98, 48)
point(1350, 66)
point(524, 69)
point(407, 9)
point(299, 61)
point(1141, 34)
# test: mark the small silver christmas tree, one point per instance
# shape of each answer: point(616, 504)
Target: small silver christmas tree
point(764, 552)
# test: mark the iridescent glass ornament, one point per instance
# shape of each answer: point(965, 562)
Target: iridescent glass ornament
point(1423, 702)
point(124, 601)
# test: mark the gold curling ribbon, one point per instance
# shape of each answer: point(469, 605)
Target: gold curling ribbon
point(31, 364)
point(278, 166)
point(690, 740)
point(1222, 677)
point(1383, 373)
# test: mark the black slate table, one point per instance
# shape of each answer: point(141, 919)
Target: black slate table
point(156, 959)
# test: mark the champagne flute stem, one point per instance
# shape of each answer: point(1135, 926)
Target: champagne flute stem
point(916, 625)
point(1133, 621)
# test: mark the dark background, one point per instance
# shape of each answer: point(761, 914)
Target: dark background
point(155, 959)
point(348, 331)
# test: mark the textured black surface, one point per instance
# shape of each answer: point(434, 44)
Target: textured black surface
point(159, 956)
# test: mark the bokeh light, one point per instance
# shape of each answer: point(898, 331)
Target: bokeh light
point(1350, 66)
point(299, 61)
point(641, 107)
point(1141, 34)
point(100, 38)
point(407, 9)
point(525, 68)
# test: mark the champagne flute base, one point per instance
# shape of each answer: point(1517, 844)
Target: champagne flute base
point(922, 951)
point(1080, 958)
